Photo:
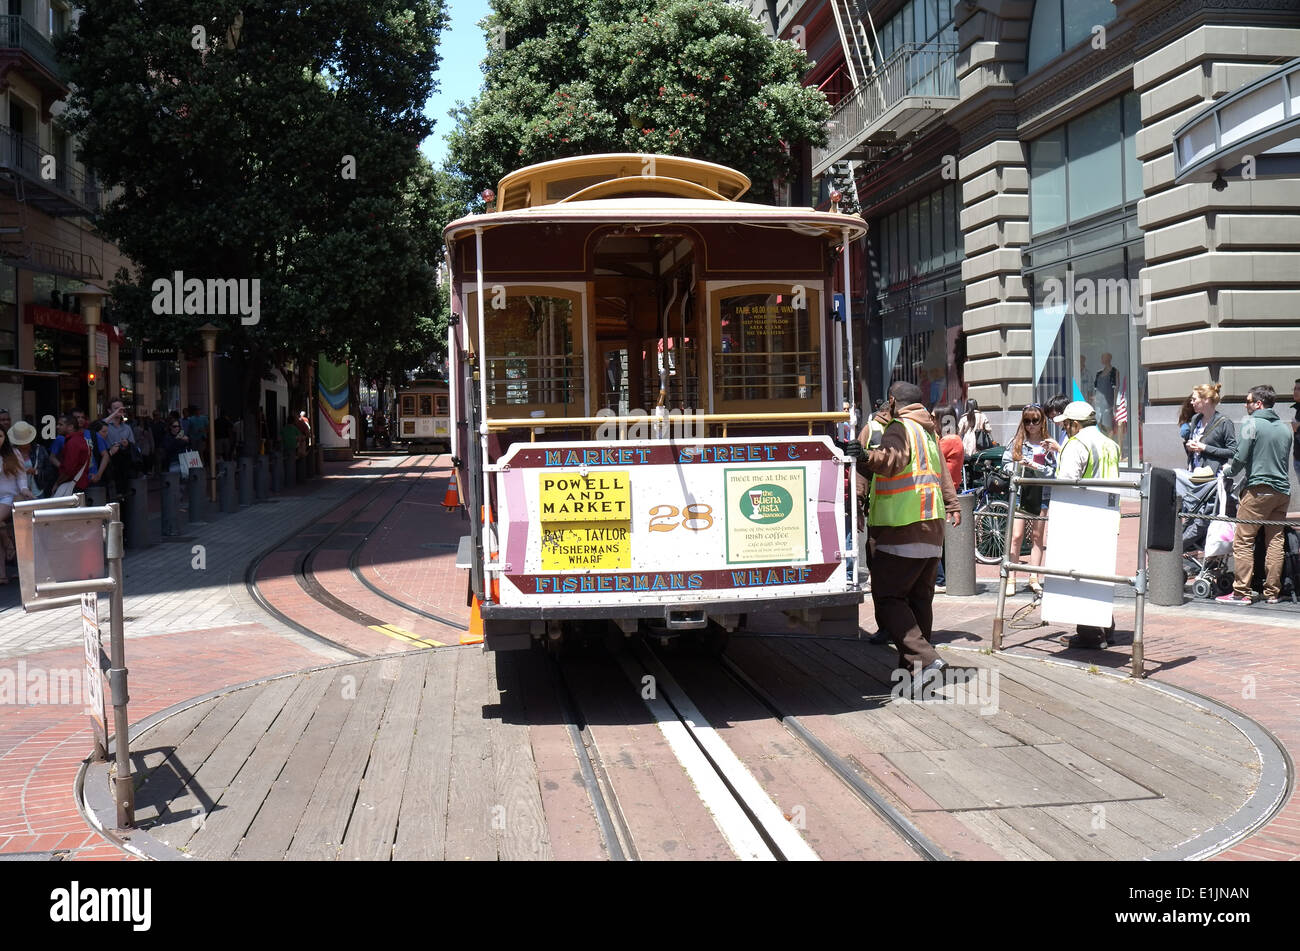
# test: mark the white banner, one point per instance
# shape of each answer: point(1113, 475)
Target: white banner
point(710, 519)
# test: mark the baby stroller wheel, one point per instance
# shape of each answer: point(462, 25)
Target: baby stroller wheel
point(1202, 588)
point(1224, 583)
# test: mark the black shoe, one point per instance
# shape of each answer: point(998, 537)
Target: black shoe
point(880, 637)
point(1079, 642)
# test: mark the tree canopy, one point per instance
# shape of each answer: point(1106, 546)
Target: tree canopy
point(249, 140)
point(697, 78)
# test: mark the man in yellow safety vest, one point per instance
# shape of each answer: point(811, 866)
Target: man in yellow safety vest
point(1087, 454)
point(911, 496)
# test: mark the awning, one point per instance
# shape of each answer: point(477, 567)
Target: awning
point(66, 321)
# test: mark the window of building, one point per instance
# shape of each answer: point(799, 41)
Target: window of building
point(1086, 167)
point(8, 316)
point(917, 23)
point(1059, 25)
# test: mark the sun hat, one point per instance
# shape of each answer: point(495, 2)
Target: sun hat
point(1202, 474)
point(1079, 411)
point(22, 433)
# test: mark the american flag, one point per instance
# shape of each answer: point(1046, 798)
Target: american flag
point(1121, 405)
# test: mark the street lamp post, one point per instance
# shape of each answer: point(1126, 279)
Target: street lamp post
point(209, 334)
point(92, 298)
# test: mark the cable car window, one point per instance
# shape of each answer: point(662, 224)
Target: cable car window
point(767, 348)
point(408, 405)
point(441, 405)
point(426, 404)
point(531, 358)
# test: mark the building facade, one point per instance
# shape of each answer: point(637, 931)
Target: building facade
point(1014, 159)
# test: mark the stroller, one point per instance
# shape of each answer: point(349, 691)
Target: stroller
point(1209, 576)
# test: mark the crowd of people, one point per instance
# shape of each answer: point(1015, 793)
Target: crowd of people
point(111, 452)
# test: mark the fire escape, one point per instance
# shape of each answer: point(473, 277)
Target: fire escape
point(891, 98)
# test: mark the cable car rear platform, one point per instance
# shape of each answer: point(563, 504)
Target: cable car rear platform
point(455, 753)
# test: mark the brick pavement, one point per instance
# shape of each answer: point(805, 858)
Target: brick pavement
point(190, 630)
point(412, 554)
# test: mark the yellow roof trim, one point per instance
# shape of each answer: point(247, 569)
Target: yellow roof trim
point(725, 182)
point(657, 184)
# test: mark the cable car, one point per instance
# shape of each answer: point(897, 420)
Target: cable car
point(424, 414)
point(646, 376)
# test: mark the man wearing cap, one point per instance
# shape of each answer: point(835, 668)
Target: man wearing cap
point(1087, 454)
point(1262, 451)
point(911, 497)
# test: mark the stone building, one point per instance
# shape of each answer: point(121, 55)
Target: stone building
point(1030, 232)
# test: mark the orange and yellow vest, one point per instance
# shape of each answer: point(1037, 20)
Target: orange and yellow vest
point(916, 493)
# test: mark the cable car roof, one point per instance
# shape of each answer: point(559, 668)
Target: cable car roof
point(666, 211)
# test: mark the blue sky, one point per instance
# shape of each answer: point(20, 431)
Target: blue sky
point(463, 47)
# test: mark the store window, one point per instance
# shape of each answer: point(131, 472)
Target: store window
point(1059, 25)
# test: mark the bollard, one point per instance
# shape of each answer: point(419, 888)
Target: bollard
point(196, 486)
point(226, 487)
point(300, 469)
point(245, 475)
point(171, 504)
point(277, 472)
point(260, 478)
point(290, 471)
point(1165, 578)
point(137, 514)
point(959, 550)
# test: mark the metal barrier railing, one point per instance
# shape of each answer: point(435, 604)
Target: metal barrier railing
point(1010, 562)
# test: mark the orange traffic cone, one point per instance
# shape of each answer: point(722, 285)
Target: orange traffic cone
point(451, 498)
point(475, 633)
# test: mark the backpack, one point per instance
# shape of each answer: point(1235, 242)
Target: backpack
point(1289, 587)
point(45, 471)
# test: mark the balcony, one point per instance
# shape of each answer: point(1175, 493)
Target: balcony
point(65, 193)
point(25, 50)
point(914, 86)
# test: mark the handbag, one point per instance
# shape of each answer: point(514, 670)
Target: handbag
point(189, 460)
point(983, 440)
point(67, 488)
point(1219, 536)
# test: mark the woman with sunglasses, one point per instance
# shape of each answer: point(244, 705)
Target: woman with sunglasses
point(1037, 453)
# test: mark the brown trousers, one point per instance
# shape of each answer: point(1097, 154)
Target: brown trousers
point(902, 591)
point(1261, 502)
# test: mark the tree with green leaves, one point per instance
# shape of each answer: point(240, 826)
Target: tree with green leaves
point(682, 77)
point(250, 139)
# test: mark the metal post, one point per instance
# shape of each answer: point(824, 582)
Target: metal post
point(170, 506)
point(1013, 499)
point(123, 785)
point(197, 495)
point(137, 513)
point(290, 470)
point(246, 481)
point(226, 484)
point(277, 471)
point(1141, 586)
point(1165, 577)
point(260, 474)
point(959, 550)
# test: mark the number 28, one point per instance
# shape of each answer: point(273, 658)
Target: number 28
point(663, 517)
